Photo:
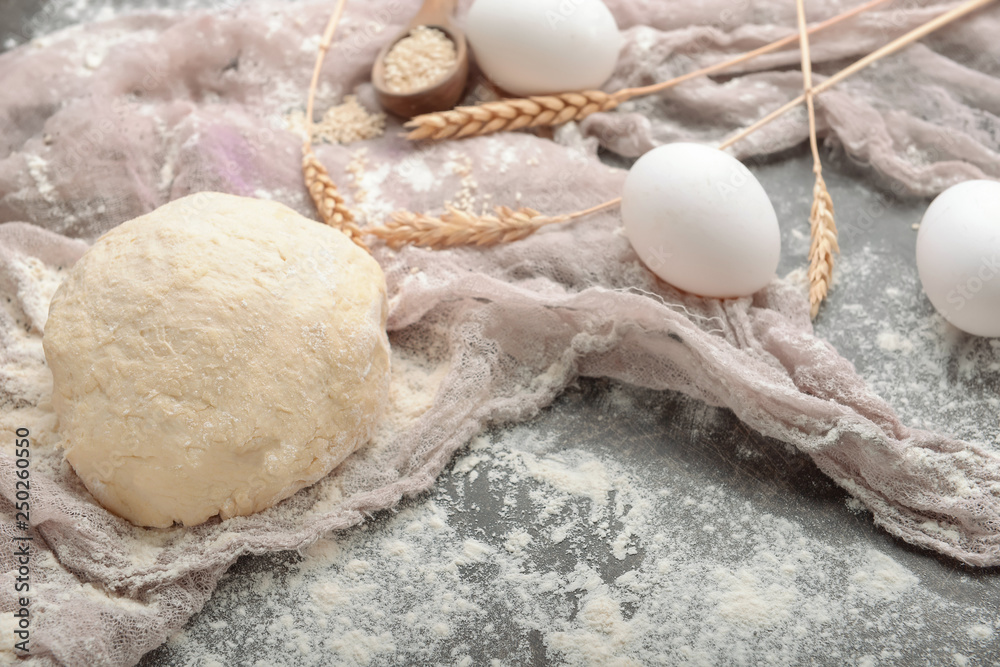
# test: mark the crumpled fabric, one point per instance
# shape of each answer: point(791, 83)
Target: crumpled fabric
point(102, 123)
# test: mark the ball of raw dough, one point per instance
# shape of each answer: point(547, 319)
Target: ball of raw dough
point(214, 357)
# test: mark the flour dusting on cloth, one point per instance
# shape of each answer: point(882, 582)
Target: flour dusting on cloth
point(144, 108)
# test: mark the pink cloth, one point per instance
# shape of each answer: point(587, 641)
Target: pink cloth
point(190, 102)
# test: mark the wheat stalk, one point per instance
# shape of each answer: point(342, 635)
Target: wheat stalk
point(920, 32)
point(822, 227)
point(458, 228)
point(329, 203)
point(823, 231)
point(548, 110)
point(508, 115)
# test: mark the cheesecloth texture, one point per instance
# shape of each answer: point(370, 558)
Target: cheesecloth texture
point(102, 123)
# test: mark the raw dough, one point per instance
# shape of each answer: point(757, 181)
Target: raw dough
point(214, 357)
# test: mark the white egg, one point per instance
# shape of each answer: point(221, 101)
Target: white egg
point(700, 221)
point(534, 47)
point(958, 256)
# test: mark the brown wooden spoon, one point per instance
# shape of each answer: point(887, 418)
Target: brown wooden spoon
point(445, 93)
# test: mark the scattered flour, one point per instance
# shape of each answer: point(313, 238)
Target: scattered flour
point(883, 578)
point(512, 560)
point(934, 376)
point(23, 362)
point(890, 341)
point(589, 479)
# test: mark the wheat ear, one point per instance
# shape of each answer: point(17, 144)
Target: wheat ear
point(507, 115)
point(823, 231)
point(548, 110)
point(323, 191)
point(822, 227)
point(329, 203)
point(458, 228)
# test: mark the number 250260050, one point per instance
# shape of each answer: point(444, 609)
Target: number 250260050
point(22, 485)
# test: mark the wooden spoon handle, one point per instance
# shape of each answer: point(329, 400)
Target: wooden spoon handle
point(435, 12)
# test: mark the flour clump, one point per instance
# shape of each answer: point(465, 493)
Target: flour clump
point(215, 356)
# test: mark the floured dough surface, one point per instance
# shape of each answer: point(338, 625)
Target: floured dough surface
point(214, 357)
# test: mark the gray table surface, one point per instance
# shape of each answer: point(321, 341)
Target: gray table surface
point(674, 436)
